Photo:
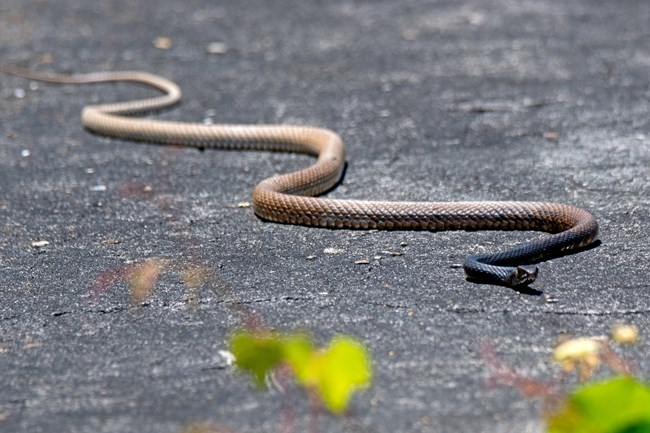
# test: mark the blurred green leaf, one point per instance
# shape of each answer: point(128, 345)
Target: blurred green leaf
point(339, 371)
point(256, 353)
point(619, 405)
point(334, 373)
point(298, 353)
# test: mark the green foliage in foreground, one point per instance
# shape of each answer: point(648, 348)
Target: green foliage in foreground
point(334, 373)
point(618, 405)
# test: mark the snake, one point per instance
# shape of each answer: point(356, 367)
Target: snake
point(296, 197)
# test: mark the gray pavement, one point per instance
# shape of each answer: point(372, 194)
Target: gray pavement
point(437, 100)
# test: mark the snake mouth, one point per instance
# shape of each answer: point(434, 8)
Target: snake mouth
point(523, 276)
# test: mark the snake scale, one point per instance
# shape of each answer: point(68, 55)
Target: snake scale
point(293, 198)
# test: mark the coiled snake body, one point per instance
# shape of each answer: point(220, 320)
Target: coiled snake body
point(291, 198)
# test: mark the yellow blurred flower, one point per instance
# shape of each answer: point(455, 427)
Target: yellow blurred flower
point(625, 334)
point(142, 279)
point(581, 353)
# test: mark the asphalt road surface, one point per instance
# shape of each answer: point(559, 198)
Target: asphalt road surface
point(542, 100)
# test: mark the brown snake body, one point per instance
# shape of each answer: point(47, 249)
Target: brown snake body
point(291, 198)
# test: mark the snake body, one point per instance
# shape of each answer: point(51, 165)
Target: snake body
point(292, 198)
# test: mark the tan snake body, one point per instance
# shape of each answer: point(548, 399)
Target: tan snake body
point(291, 198)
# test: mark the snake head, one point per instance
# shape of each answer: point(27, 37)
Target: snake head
point(522, 276)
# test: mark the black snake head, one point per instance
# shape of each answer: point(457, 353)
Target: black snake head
point(522, 276)
point(479, 269)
